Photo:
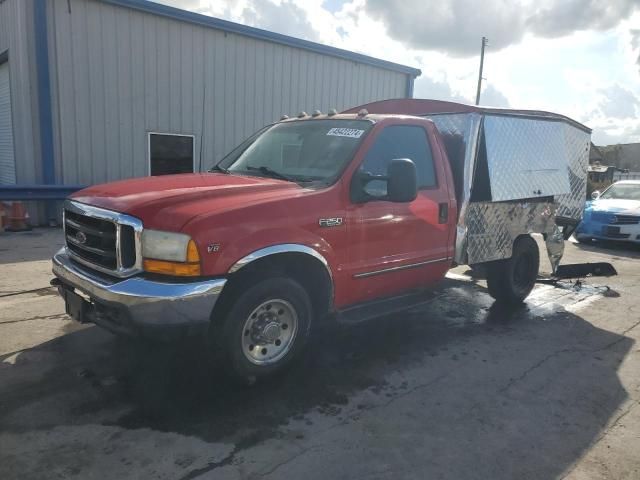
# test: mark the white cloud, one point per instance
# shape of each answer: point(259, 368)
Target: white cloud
point(619, 103)
point(286, 18)
point(426, 87)
point(580, 58)
point(607, 131)
point(615, 117)
point(198, 6)
point(457, 25)
point(635, 44)
point(492, 97)
point(562, 17)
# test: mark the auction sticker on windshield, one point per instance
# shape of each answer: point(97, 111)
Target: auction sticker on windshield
point(346, 132)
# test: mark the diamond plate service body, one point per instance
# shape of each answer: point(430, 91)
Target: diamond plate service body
point(532, 149)
point(493, 227)
point(577, 144)
point(526, 158)
point(460, 133)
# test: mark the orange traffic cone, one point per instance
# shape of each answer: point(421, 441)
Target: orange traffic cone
point(18, 218)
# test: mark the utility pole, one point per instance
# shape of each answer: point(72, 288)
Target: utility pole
point(485, 40)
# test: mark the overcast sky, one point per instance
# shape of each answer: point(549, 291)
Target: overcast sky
point(576, 57)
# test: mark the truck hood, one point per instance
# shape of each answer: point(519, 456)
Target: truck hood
point(168, 202)
point(630, 207)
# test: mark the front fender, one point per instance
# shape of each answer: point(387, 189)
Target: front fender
point(279, 249)
point(233, 255)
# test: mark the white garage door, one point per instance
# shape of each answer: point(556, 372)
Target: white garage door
point(7, 160)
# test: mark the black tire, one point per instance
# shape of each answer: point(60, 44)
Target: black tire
point(510, 281)
point(230, 337)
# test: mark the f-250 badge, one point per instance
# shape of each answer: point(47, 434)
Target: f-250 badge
point(330, 222)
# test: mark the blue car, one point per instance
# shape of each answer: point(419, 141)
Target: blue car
point(613, 214)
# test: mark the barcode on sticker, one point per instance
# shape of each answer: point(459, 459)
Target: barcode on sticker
point(345, 132)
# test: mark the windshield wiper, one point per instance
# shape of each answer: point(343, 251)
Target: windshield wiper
point(268, 172)
point(218, 168)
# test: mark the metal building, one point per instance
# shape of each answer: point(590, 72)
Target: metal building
point(99, 90)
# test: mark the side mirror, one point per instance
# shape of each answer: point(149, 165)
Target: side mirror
point(398, 185)
point(402, 183)
point(595, 195)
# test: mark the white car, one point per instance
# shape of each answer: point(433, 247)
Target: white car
point(613, 214)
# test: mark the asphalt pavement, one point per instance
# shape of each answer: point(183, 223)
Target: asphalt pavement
point(456, 388)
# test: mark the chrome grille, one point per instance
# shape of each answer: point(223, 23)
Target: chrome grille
point(619, 236)
point(615, 219)
point(104, 240)
point(91, 239)
point(627, 219)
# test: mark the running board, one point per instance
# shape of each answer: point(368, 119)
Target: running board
point(380, 308)
point(581, 270)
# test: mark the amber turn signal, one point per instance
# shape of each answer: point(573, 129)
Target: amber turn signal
point(192, 252)
point(176, 269)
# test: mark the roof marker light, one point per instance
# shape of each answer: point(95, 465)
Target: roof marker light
point(332, 112)
point(363, 113)
point(316, 113)
point(302, 114)
point(284, 117)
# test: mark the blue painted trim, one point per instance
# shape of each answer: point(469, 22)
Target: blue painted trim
point(37, 192)
point(44, 92)
point(410, 85)
point(211, 22)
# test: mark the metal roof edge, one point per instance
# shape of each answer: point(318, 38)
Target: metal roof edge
point(258, 33)
point(424, 106)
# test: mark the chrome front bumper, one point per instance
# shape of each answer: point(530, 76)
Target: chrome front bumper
point(130, 305)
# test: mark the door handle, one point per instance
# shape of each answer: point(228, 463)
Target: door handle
point(443, 213)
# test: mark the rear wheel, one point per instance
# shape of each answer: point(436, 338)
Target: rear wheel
point(511, 280)
point(265, 328)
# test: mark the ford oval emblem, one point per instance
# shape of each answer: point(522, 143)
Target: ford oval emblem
point(81, 238)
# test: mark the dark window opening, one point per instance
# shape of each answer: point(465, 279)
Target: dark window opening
point(481, 190)
point(169, 154)
point(399, 141)
point(455, 147)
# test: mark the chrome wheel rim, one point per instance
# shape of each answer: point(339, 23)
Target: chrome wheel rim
point(269, 332)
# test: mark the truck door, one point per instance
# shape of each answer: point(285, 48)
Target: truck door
point(400, 246)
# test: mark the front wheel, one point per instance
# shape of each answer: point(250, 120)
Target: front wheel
point(511, 280)
point(266, 327)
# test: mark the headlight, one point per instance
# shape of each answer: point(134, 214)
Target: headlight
point(170, 253)
point(165, 245)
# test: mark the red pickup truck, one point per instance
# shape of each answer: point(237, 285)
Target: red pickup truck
point(311, 216)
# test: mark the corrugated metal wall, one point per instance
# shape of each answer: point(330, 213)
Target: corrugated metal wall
point(7, 159)
point(118, 74)
point(16, 20)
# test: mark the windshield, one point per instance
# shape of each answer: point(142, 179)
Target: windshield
point(300, 151)
point(623, 191)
